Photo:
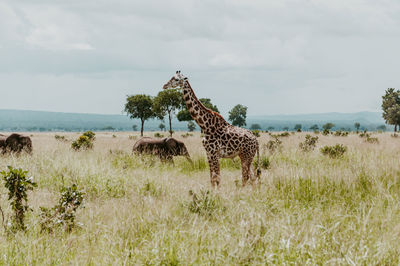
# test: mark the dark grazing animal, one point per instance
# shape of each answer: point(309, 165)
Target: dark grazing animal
point(165, 148)
point(15, 143)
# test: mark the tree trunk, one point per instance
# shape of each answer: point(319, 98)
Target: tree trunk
point(170, 124)
point(141, 130)
point(395, 128)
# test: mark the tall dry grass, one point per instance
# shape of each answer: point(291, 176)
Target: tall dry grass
point(308, 209)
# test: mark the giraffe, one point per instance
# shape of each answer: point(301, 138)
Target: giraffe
point(221, 140)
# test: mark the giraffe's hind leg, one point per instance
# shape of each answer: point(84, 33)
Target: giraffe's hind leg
point(213, 162)
point(245, 170)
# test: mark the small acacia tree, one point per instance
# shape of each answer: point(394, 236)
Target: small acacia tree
point(140, 106)
point(391, 107)
point(167, 102)
point(238, 115)
point(255, 127)
point(357, 126)
point(191, 126)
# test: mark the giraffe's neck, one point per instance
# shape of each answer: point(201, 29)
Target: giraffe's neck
point(207, 120)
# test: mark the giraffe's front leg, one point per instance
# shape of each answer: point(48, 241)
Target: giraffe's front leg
point(213, 162)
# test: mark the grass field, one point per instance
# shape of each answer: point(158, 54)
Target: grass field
point(308, 209)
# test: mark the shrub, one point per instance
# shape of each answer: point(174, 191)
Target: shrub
point(90, 135)
point(18, 184)
point(150, 188)
point(274, 145)
point(372, 140)
point(309, 143)
point(187, 135)
point(132, 137)
point(364, 134)
point(340, 133)
point(205, 203)
point(60, 138)
point(334, 151)
point(256, 132)
point(394, 135)
point(63, 214)
point(158, 135)
point(114, 136)
point(265, 163)
point(326, 132)
point(82, 143)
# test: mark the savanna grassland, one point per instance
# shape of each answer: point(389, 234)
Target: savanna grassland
point(308, 209)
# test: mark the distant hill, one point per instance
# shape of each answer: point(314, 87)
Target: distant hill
point(19, 120)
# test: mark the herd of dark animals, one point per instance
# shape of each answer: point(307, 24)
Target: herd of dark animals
point(165, 148)
point(15, 143)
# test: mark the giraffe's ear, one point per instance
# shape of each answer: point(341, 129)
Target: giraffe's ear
point(185, 78)
point(177, 72)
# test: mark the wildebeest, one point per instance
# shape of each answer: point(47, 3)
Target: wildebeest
point(15, 143)
point(164, 148)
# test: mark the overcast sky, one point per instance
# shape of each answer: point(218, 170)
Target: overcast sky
point(275, 56)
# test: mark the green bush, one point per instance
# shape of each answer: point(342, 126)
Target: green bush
point(326, 132)
point(309, 143)
point(90, 135)
point(274, 145)
point(158, 135)
point(82, 143)
point(372, 140)
point(256, 132)
point(63, 214)
point(187, 135)
point(18, 184)
point(60, 138)
point(336, 151)
point(340, 133)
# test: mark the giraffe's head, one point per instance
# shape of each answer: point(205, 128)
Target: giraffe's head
point(176, 81)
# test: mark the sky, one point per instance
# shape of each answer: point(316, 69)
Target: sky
point(273, 56)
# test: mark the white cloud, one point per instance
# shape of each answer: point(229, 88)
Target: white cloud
point(288, 54)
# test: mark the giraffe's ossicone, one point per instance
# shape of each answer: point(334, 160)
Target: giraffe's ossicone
point(221, 140)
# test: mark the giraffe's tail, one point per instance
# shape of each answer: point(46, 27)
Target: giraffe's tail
point(258, 171)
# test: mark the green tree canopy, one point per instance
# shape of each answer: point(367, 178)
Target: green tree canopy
point(184, 115)
point(191, 126)
point(140, 106)
point(357, 125)
point(328, 126)
point(297, 127)
point(314, 127)
point(381, 127)
point(238, 115)
point(161, 127)
point(391, 107)
point(255, 127)
point(166, 103)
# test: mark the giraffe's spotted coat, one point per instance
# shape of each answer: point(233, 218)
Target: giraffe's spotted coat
point(221, 140)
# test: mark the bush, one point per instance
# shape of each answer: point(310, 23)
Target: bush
point(340, 133)
point(132, 137)
point(205, 203)
point(18, 184)
point(187, 135)
point(60, 138)
point(63, 214)
point(372, 140)
point(274, 145)
point(309, 143)
point(158, 135)
point(364, 134)
point(334, 151)
point(82, 143)
point(90, 135)
point(256, 132)
point(326, 132)
point(265, 163)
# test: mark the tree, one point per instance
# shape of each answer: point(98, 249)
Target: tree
point(328, 126)
point(191, 126)
point(134, 127)
point(161, 127)
point(357, 126)
point(270, 128)
point(255, 127)
point(314, 127)
point(140, 106)
point(285, 128)
point(238, 115)
point(167, 102)
point(391, 107)
point(297, 127)
point(184, 114)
